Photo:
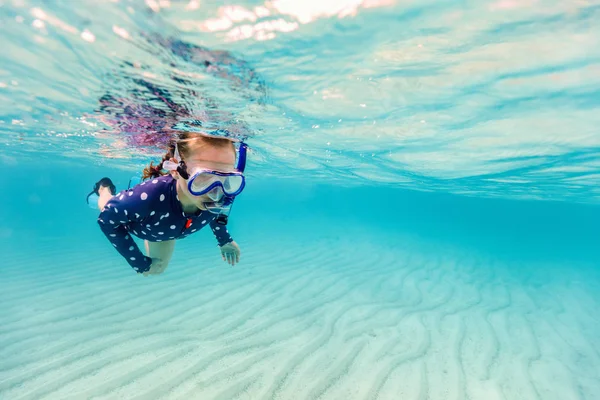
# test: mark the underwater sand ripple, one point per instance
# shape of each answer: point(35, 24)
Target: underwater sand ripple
point(355, 320)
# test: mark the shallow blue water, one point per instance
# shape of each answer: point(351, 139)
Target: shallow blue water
point(420, 219)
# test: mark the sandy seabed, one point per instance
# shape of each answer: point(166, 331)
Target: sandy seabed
point(327, 319)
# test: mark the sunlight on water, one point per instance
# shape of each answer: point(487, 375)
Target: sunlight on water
point(365, 274)
point(492, 98)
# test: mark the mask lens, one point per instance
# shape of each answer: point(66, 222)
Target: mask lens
point(232, 184)
point(216, 194)
point(202, 182)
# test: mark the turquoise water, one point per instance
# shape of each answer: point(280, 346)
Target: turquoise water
point(420, 220)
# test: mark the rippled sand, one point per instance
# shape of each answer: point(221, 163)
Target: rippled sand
point(351, 318)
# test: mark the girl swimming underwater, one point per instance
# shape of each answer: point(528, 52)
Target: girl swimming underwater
point(202, 177)
point(198, 190)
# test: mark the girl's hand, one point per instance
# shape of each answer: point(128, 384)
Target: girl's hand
point(231, 253)
point(157, 267)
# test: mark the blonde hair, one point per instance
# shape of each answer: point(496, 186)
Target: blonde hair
point(187, 143)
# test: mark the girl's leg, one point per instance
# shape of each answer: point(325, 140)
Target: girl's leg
point(160, 250)
point(104, 197)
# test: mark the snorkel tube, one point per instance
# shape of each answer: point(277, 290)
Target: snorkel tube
point(223, 208)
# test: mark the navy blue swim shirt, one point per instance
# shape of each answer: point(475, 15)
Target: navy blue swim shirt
point(152, 211)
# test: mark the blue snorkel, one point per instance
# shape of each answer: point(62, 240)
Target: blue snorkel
point(227, 202)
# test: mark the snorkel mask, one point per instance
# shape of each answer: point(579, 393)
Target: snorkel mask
point(221, 187)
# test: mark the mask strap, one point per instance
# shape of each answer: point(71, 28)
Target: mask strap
point(170, 165)
point(176, 155)
point(178, 166)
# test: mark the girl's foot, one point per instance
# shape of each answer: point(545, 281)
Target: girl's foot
point(104, 182)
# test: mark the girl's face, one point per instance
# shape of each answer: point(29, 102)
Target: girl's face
point(209, 157)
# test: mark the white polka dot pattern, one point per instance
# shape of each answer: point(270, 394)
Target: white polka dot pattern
point(152, 210)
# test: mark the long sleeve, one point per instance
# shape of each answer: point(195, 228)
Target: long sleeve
point(122, 210)
point(220, 232)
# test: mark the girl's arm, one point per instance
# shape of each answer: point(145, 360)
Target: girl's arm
point(221, 233)
point(120, 211)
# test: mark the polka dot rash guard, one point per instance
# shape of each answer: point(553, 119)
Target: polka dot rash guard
point(152, 211)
